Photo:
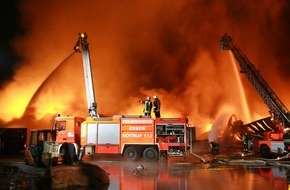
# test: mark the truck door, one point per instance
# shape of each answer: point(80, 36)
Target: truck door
point(108, 138)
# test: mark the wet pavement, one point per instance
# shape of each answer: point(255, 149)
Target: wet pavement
point(224, 172)
point(219, 172)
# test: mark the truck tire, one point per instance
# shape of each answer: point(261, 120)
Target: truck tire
point(265, 151)
point(151, 154)
point(68, 153)
point(131, 153)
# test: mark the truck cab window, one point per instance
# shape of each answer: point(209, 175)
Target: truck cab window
point(60, 125)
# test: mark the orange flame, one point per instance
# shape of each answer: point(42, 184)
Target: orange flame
point(137, 50)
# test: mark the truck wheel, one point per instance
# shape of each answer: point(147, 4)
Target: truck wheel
point(150, 154)
point(265, 151)
point(131, 153)
point(68, 153)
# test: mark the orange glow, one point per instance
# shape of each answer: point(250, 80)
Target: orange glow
point(14, 102)
point(208, 127)
point(137, 50)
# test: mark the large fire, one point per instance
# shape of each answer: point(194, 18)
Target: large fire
point(139, 49)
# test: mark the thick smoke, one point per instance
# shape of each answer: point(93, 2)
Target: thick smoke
point(145, 48)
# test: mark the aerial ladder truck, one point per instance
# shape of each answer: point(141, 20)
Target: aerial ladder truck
point(132, 136)
point(67, 129)
point(64, 144)
point(274, 128)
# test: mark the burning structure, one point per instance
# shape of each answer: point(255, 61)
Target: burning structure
point(168, 49)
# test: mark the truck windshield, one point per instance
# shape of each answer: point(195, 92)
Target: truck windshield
point(59, 125)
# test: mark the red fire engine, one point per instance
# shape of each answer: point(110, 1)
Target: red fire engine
point(136, 136)
point(133, 136)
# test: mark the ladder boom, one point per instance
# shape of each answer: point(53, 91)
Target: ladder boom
point(276, 106)
point(83, 47)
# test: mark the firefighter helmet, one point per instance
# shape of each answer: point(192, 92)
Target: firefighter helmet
point(148, 98)
point(155, 97)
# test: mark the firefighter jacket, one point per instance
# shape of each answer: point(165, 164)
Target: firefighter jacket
point(156, 105)
point(148, 106)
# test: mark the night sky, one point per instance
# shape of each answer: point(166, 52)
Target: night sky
point(10, 28)
point(138, 49)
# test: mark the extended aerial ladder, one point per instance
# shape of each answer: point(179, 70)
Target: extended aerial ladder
point(82, 46)
point(277, 109)
point(275, 138)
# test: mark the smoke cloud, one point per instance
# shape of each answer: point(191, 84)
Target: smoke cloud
point(145, 48)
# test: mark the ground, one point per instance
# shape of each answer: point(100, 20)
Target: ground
point(14, 174)
point(19, 176)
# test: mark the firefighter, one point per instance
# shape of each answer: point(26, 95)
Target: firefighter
point(214, 147)
point(156, 107)
point(148, 106)
point(245, 142)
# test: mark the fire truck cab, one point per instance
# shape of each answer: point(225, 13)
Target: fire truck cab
point(57, 145)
